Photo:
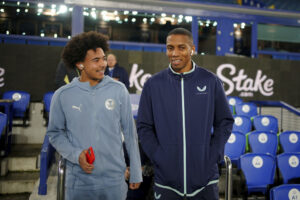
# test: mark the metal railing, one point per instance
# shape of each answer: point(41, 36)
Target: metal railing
point(62, 170)
point(287, 115)
point(228, 186)
point(61, 179)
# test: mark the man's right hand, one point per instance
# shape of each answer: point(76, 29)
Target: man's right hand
point(85, 166)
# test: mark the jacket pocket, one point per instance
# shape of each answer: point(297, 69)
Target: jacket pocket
point(167, 165)
point(200, 170)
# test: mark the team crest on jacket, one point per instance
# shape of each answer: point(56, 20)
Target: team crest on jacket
point(110, 104)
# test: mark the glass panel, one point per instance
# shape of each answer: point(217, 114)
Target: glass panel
point(272, 37)
point(132, 25)
point(207, 37)
point(37, 19)
point(242, 38)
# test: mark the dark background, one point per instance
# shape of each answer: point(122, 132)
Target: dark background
point(32, 68)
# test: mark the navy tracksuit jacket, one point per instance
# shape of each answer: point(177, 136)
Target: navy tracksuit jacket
point(175, 118)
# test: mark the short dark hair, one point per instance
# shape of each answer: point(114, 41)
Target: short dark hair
point(76, 49)
point(181, 31)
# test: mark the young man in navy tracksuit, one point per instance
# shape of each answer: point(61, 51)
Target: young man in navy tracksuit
point(178, 108)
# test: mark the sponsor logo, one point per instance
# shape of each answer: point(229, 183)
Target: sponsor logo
point(157, 196)
point(137, 77)
point(240, 82)
point(201, 89)
point(77, 107)
point(2, 72)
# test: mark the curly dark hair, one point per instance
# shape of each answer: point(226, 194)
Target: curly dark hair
point(76, 49)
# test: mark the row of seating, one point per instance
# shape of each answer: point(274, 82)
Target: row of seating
point(244, 124)
point(259, 171)
point(239, 107)
point(285, 191)
point(271, 153)
point(21, 104)
point(261, 142)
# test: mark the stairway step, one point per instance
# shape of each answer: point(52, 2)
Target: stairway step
point(23, 157)
point(22, 196)
point(22, 164)
point(25, 150)
point(18, 182)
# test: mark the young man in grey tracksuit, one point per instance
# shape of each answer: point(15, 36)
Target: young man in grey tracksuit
point(93, 110)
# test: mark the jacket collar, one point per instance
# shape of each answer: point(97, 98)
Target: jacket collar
point(184, 74)
point(87, 86)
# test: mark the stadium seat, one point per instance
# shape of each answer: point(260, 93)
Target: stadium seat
point(242, 124)
point(265, 123)
point(263, 142)
point(285, 191)
point(152, 49)
point(289, 167)
point(290, 141)
point(235, 147)
point(259, 171)
point(234, 100)
point(14, 41)
point(3, 133)
point(3, 123)
point(37, 42)
point(135, 100)
point(47, 101)
point(20, 105)
point(246, 109)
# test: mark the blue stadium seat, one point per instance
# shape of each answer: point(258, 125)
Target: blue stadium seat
point(3, 134)
point(285, 191)
point(116, 46)
point(259, 171)
point(263, 142)
point(47, 101)
point(242, 124)
point(3, 123)
point(232, 100)
point(290, 141)
point(135, 100)
point(152, 49)
point(265, 123)
point(289, 167)
point(37, 42)
point(235, 147)
point(57, 43)
point(14, 41)
point(246, 109)
point(20, 105)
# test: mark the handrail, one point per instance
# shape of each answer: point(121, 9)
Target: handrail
point(228, 189)
point(278, 104)
point(47, 153)
point(61, 179)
